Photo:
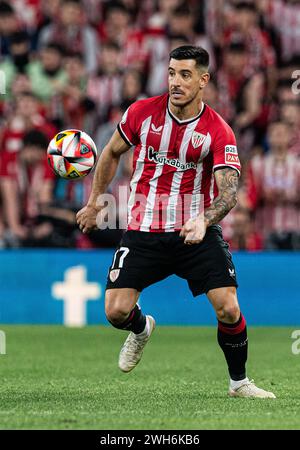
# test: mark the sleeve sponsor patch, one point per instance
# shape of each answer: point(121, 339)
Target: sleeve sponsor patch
point(231, 149)
point(231, 154)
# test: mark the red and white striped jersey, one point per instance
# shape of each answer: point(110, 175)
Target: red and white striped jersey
point(174, 163)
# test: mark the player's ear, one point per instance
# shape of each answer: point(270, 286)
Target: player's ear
point(204, 79)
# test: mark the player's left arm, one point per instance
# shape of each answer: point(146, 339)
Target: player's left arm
point(227, 181)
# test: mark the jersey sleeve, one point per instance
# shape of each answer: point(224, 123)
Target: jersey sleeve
point(127, 127)
point(224, 149)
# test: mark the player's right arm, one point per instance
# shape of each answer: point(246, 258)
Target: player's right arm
point(105, 171)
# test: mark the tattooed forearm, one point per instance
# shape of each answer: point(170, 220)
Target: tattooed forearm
point(227, 182)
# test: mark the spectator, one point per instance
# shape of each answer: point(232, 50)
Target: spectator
point(290, 114)
point(29, 11)
point(131, 40)
point(161, 18)
point(104, 88)
point(180, 30)
point(132, 86)
point(284, 15)
point(27, 186)
point(241, 94)
point(9, 24)
point(25, 115)
point(72, 32)
point(260, 53)
point(244, 237)
point(75, 109)
point(273, 184)
point(284, 91)
point(18, 61)
point(56, 72)
point(182, 21)
point(48, 76)
point(106, 130)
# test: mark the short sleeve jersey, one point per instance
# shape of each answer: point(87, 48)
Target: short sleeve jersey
point(174, 163)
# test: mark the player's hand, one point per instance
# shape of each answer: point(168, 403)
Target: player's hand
point(194, 231)
point(87, 218)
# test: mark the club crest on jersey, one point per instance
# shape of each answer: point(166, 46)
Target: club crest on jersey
point(156, 130)
point(114, 274)
point(198, 139)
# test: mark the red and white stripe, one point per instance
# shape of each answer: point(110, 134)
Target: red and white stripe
point(139, 167)
point(163, 151)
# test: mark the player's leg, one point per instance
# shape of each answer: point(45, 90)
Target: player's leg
point(121, 309)
point(123, 313)
point(232, 330)
point(208, 268)
point(139, 262)
point(233, 340)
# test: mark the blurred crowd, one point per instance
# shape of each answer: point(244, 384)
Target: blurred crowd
point(80, 64)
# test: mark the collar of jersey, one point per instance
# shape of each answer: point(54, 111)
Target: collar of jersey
point(186, 121)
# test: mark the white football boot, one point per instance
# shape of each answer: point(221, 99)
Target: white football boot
point(132, 350)
point(248, 389)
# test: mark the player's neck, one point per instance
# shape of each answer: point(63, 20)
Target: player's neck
point(187, 112)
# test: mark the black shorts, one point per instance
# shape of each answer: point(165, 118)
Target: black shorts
point(145, 258)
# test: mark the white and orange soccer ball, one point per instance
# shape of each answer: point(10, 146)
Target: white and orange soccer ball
point(72, 154)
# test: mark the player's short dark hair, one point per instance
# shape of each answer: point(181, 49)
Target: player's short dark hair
point(35, 138)
point(199, 54)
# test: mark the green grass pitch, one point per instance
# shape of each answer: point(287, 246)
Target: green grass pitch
point(58, 378)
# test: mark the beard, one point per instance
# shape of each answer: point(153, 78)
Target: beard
point(181, 103)
point(21, 61)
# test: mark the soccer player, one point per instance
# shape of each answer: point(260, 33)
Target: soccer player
point(183, 150)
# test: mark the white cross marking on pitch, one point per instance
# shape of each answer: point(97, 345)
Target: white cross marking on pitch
point(75, 291)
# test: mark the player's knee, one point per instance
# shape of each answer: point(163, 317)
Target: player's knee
point(115, 314)
point(228, 313)
point(116, 310)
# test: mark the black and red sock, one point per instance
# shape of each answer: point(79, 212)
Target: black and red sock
point(233, 340)
point(135, 322)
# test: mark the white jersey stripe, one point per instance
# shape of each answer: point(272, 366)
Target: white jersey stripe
point(196, 195)
point(186, 140)
point(139, 166)
point(177, 178)
point(163, 151)
point(173, 200)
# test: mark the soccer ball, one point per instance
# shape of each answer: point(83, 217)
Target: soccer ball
point(72, 154)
